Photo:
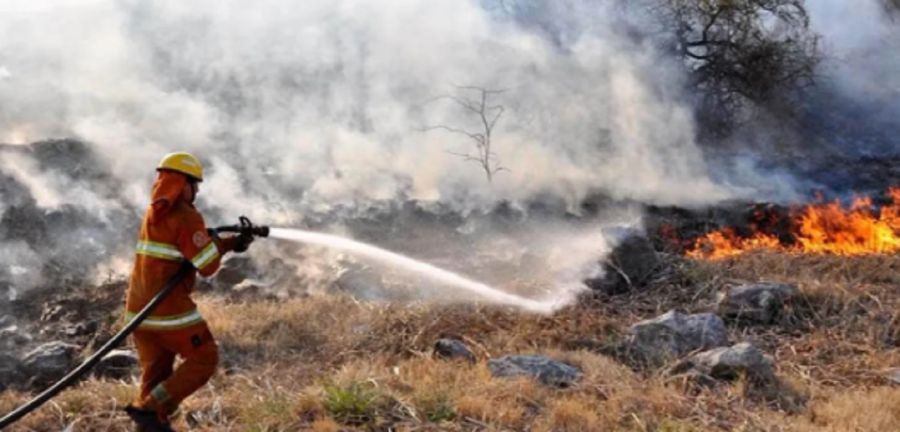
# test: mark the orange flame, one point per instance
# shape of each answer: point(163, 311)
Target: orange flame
point(826, 228)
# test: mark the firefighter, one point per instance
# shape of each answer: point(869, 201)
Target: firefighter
point(172, 231)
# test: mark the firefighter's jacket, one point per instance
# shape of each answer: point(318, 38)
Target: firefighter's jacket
point(172, 230)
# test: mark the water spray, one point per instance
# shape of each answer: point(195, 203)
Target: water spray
point(489, 294)
point(432, 272)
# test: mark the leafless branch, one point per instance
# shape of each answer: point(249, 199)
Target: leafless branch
point(488, 116)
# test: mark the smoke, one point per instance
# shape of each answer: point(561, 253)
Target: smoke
point(330, 98)
point(309, 110)
point(861, 41)
point(837, 136)
point(41, 188)
point(863, 45)
point(15, 276)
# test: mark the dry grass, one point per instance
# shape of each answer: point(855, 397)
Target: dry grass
point(332, 363)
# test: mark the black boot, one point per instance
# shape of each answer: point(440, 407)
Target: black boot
point(146, 420)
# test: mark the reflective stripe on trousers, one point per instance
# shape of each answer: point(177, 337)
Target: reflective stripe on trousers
point(168, 322)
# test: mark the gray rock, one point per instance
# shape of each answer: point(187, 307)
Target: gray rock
point(234, 270)
point(53, 313)
point(673, 334)
point(10, 371)
point(6, 320)
point(79, 329)
point(49, 361)
point(361, 282)
point(117, 364)
point(631, 264)
point(728, 363)
point(547, 371)
point(758, 302)
point(453, 349)
point(12, 337)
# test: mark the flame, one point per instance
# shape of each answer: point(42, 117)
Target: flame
point(823, 228)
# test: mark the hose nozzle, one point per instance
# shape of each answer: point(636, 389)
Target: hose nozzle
point(245, 227)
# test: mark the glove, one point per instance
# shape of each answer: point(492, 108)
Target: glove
point(242, 242)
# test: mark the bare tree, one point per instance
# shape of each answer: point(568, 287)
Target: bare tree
point(741, 53)
point(487, 116)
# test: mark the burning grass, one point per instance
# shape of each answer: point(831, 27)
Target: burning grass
point(332, 363)
point(822, 228)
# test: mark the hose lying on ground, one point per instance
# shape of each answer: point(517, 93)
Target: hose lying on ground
point(76, 373)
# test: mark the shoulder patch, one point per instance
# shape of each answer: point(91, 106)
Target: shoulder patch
point(200, 238)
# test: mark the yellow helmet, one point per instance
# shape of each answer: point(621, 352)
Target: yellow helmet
point(184, 163)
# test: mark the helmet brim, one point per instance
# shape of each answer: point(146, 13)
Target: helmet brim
point(189, 176)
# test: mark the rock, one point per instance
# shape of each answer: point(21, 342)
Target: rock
point(10, 371)
point(758, 302)
point(453, 349)
point(710, 367)
point(234, 270)
point(53, 312)
point(728, 363)
point(547, 371)
point(673, 334)
point(49, 362)
point(6, 320)
point(631, 264)
point(362, 282)
point(117, 364)
point(12, 337)
point(79, 329)
point(241, 277)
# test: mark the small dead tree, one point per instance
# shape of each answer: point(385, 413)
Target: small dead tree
point(487, 116)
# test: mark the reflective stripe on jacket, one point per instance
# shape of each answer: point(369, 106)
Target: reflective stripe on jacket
point(165, 239)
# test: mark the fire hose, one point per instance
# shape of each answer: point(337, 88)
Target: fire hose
point(245, 227)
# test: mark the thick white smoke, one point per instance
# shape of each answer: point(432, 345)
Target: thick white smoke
point(862, 41)
point(330, 98)
point(312, 107)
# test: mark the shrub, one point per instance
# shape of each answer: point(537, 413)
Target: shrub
point(354, 403)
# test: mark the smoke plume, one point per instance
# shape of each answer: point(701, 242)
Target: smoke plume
point(331, 98)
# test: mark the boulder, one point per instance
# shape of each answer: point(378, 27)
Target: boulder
point(673, 334)
point(758, 302)
point(547, 371)
point(728, 363)
point(117, 364)
point(10, 371)
point(453, 349)
point(631, 264)
point(49, 362)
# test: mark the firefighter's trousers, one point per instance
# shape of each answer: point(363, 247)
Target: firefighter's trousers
point(162, 387)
